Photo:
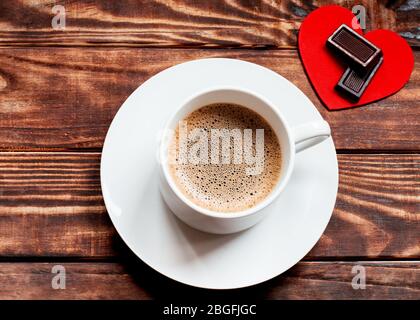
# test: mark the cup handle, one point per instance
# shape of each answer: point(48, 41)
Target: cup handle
point(309, 134)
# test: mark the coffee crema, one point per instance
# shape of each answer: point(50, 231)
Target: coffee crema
point(225, 187)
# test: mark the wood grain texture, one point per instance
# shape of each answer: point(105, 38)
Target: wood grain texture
point(134, 280)
point(51, 205)
point(408, 22)
point(176, 23)
point(46, 99)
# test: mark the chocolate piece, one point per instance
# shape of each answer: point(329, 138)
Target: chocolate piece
point(353, 84)
point(357, 52)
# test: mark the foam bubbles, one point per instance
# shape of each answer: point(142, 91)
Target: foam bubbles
point(226, 187)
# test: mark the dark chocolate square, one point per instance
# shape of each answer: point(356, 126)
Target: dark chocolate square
point(352, 84)
point(352, 48)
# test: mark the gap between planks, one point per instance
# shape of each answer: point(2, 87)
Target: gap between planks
point(74, 151)
point(133, 257)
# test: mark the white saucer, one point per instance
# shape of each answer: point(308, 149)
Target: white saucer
point(129, 180)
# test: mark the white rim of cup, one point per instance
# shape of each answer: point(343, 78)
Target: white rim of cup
point(279, 187)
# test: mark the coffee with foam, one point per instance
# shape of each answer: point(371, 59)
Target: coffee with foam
point(227, 176)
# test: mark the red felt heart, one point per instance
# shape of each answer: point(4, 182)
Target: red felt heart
point(324, 69)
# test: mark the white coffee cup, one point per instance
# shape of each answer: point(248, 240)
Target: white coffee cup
point(292, 140)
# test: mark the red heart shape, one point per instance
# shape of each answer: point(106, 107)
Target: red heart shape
point(324, 69)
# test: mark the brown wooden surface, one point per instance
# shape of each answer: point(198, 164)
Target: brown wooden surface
point(61, 192)
point(46, 96)
point(59, 91)
point(407, 22)
point(216, 23)
point(134, 280)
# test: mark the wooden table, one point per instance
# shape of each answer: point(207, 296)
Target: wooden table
point(59, 91)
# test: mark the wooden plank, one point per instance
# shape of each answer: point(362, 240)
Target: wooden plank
point(378, 208)
point(33, 281)
point(184, 23)
point(332, 280)
point(47, 100)
point(134, 280)
point(407, 22)
point(51, 205)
